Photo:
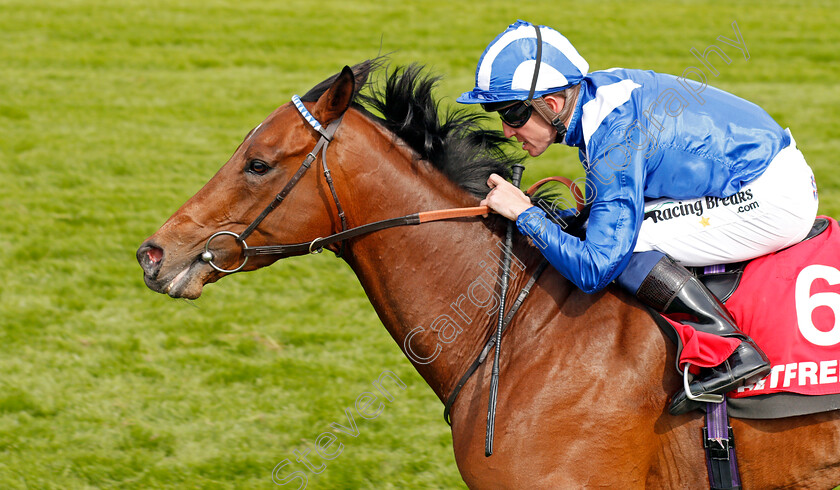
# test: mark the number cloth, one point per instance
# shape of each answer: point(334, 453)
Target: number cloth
point(789, 303)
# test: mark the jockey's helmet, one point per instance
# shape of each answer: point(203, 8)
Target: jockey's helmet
point(517, 65)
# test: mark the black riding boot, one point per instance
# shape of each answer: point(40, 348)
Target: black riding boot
point(672, 290)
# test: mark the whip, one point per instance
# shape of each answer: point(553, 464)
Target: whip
point(516, 177)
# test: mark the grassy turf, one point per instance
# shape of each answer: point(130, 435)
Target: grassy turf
point(114, 113)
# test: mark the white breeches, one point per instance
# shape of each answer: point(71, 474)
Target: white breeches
point(775, 210)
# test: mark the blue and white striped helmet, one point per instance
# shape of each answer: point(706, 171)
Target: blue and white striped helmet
point(506, 68)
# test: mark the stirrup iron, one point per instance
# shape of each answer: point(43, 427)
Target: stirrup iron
point(703, 397)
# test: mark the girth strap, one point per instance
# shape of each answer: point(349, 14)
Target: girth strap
point(719, 444)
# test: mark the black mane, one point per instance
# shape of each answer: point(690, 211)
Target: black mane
point(454, 142)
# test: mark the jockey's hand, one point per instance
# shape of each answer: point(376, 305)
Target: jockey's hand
point(505, 198)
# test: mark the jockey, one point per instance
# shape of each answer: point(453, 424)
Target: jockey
point(677, 174)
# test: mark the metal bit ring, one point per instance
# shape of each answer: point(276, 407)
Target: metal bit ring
point(207, 256)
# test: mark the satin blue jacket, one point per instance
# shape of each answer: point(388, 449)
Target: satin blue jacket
point(645, 135)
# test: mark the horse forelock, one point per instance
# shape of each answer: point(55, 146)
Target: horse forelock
point(454, 140)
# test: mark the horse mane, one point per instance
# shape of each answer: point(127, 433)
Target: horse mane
point(454, 140)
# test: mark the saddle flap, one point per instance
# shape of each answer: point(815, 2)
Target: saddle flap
point(723, 284)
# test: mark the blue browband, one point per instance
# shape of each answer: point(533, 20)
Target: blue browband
point(307, 115)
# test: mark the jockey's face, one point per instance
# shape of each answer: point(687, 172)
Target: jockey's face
point(536, 134)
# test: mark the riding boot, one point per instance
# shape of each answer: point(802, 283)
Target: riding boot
point(674, 291)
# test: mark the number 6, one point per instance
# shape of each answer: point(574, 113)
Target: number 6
point(806, 304)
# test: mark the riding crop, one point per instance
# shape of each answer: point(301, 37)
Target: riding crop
point(516, 177)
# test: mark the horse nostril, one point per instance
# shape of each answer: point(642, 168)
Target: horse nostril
point(154, 254)
point(150, 258)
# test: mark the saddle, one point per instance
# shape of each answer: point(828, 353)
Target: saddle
point(723, 281)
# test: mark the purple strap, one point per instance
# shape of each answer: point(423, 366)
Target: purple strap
point(721, 462)
point(714, 269)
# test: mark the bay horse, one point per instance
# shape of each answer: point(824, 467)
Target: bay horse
point(585, 378)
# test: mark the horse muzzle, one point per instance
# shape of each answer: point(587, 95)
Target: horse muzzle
point(184, 280)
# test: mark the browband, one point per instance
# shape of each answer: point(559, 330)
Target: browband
point(307, 115)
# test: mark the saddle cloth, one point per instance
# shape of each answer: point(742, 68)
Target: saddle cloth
point(789, 303)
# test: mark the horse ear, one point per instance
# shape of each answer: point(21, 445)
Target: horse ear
point(337, 98)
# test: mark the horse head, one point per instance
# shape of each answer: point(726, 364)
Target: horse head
point(264, 162)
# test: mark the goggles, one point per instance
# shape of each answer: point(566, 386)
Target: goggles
point(514, 115)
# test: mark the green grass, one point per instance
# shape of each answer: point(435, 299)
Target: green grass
point(114, 113)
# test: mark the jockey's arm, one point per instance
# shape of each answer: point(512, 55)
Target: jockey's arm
point(614, 221)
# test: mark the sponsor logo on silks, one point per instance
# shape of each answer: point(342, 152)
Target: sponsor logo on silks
point(668, 210)
point(737, 198)
point(814, 186)
point(705, 222)
point(673, 209)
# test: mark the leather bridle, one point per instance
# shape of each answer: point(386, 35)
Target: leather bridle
point(318, 244)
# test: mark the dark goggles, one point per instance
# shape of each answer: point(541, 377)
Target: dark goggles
point(514, 115)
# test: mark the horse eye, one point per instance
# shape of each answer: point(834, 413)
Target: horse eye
point(257, 167)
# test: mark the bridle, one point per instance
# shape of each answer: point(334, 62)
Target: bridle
point(318, 244)
point(321, 146)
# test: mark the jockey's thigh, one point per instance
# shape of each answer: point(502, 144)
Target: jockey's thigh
point(772, 212)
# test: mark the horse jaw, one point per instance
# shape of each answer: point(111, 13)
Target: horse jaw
point(189, 283)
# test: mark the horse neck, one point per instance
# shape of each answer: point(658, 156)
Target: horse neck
point(431, 285)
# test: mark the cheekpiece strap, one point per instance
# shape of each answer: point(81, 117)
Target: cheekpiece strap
point(307, 115)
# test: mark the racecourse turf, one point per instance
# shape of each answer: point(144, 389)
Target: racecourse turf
point(112, 114)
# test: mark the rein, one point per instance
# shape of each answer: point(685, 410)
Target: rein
point(318, 244)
